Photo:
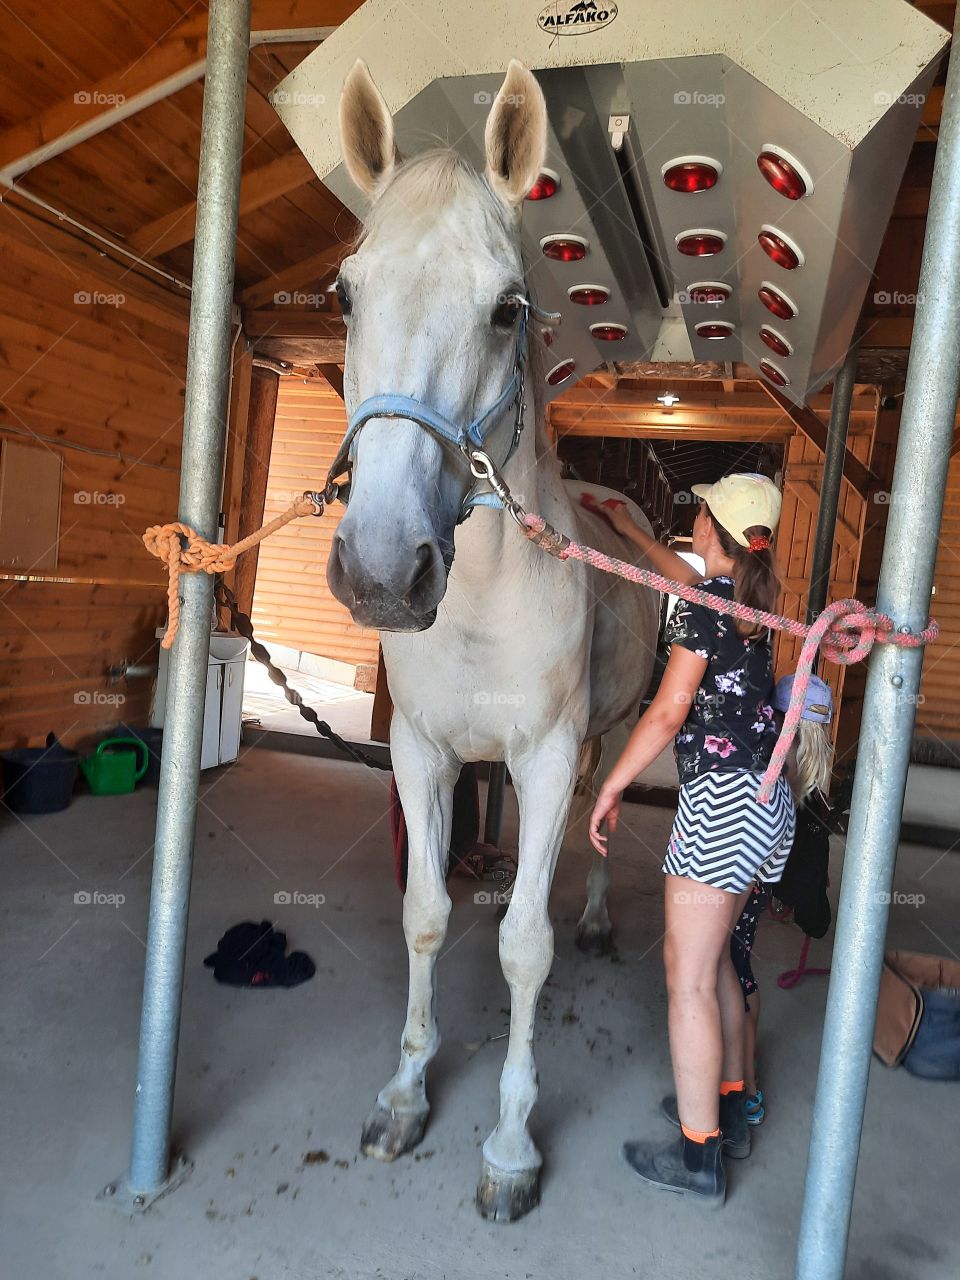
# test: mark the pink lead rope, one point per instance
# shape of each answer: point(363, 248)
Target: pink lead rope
point(846, 631)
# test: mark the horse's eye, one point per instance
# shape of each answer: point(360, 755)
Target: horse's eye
point(506, 312)
point(343, 298)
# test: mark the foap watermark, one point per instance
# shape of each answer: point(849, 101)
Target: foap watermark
point(295, 98)
point(697, 98)
point(484, 98)
point(96, 298)
point(94, 898)
point(98, 698)
point(98, 498)
point(699, 898)
point(884, 498)
point(296, 898)
point(298, 298)
point(492, 897)
point(684, 498)
point(97, 98)
point(898, 899)
point(883, 98)
point(886, 298)
point(498, 698)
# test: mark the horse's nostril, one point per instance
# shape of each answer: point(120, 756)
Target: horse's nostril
point(428, 581)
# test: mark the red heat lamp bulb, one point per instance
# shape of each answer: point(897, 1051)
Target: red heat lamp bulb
point(781, 252)
point(588, 295)
point(564, 248)
point(708, 293)
point(714, 330)
point(608, 332)
point(691, 175)
point(700, 244)
point(776, 376)
point(775, 342)
point(560, 372)
point(781, 175)
point(546, 185)
point(781, 307)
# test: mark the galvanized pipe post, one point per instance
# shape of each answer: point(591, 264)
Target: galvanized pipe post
point(906, 581)
point(205, 415)
point(831, 482)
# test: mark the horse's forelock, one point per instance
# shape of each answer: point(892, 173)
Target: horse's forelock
point(430, 182)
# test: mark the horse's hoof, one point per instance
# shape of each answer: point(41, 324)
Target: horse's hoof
point(594, 939)
point(505, 1197)
point(388, 1134)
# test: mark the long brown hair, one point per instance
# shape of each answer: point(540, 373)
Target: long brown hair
point(755, 573)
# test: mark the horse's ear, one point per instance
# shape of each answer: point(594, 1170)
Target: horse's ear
point(366, 132)
point(516, 135)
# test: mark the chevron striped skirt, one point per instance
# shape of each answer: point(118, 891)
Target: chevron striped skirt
point(723, 838)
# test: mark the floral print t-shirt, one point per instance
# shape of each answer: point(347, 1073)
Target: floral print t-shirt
point(730, 725)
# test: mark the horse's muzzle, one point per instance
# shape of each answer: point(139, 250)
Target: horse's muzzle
point(401, 593)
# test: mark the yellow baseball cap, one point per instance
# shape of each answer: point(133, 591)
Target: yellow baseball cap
point(739, 502)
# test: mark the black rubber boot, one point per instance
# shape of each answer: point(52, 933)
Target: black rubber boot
point(693, 1169)
point(734, 1130)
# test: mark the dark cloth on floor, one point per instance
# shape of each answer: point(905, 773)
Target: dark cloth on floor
point(743, 936)
point(252, 955)
point(803, 885)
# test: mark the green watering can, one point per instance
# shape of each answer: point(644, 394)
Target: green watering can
point(113, 770)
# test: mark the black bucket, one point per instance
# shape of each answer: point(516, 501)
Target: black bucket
point(39, 779)
point(152, 739)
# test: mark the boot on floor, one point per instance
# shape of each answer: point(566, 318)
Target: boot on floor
point(693, 1169)
point(735, 1133)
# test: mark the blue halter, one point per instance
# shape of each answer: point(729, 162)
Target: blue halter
point(460, 439)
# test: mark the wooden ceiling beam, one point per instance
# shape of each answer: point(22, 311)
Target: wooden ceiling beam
point(310, 275)
point(291, 323)
point(856, 473)
point(621, 400)
point(695, 426)
point(259, 187)
point(301, 352)
point(164, 69)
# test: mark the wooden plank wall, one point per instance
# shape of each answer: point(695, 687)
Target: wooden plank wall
point(938, 715)
point(803, 472)
point(292, 603)
point(92, 362)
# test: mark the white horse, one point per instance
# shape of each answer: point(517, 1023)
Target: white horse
point(494, 650)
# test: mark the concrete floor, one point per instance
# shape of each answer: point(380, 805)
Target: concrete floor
point(267, 1077)
point(345, 709)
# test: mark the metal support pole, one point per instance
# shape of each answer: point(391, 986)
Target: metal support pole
point(906, 580)
point(493, 817)
point(833, 460)
point(208, 376)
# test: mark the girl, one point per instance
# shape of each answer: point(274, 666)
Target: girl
point(715, 699)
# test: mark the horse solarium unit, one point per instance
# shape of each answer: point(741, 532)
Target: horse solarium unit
point(719, 174)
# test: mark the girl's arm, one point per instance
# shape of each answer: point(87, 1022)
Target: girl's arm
point(657, 727)
point(664, 560)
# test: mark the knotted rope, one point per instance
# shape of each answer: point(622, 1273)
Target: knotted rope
point(182, 550)
point(845, 631)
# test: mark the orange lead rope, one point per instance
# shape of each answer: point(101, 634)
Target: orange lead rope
point(165, 541)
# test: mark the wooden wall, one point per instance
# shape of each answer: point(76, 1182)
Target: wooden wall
point(292, 602)
point(938, 715)
point(803, 472)
point(92, 361)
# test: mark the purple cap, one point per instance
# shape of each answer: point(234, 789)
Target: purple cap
point(818, 703)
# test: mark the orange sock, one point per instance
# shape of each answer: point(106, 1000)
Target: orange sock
point(730, 1086)
point(696, 1135)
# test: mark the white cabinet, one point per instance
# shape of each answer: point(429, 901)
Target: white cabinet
point(223, 700)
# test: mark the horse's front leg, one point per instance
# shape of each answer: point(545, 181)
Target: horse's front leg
point(425, 780)
point(544, 780)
